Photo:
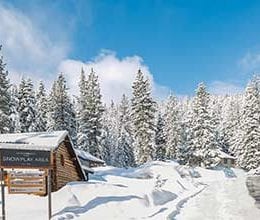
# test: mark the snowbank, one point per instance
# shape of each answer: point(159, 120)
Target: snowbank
point(152, 191)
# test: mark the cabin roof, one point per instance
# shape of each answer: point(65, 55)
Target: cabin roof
point(83, 155)
point(223, 155)
point(46, 141)
point(33, 141)
point(87, 169)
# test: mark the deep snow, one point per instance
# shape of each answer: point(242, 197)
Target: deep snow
point(158, 190)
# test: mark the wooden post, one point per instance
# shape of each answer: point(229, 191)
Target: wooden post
point(49, 193)
point(3, 193)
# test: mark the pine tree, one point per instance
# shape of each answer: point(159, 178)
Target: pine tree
point(124, 152)
point(160, 139)
point(143, 110)
point(183, 152)
point(215, 110)
point(92, 110)
point(42, 108)
point(82, 118)
point(110, 122)
point(26, 106)
point(15, 123)
point(202, 141)
point(5, 98)
point(172, 128)
point(249, 157)
point(62, 114)
point(230, 124)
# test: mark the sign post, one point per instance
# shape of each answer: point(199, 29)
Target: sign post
point(3, 193)
point(12, 158)
point(25, 159)
point(33, 182)
point(49, 193)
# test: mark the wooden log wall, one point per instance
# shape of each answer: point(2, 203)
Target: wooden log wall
point(65, 167)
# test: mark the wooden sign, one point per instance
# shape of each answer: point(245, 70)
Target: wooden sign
point(27, 183)
point(12, 158)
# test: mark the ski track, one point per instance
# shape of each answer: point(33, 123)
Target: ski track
point(224, 198)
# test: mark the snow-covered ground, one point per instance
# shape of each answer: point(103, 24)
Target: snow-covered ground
point(226, 197)
point(158, 190)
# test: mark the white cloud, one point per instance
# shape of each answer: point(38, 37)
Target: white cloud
point(223, 88)
point(31, 52)
point(27, 49)
point(115, 75)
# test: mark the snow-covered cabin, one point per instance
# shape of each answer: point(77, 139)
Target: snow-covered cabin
point(66, 165)
point(87, 161)
point(226, 159)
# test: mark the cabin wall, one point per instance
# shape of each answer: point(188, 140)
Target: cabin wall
point(228, 162)
point(65, 167)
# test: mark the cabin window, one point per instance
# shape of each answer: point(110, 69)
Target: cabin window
point(62, 161)
point(225, 161)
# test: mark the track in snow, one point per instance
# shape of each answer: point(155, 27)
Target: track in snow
point(224, 198)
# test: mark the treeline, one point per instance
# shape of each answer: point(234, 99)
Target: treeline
point(138, 129)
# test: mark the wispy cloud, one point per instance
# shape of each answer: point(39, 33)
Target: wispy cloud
point(28, 50)
point(250, 62)
point(224, 88)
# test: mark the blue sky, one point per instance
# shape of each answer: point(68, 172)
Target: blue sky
point(181, 43)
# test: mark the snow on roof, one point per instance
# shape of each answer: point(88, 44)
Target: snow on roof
point(88, 169)
point(31, 141)
point(87, 156)
point(223, 155)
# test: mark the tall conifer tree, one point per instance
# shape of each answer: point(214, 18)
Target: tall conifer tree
point(5, 98)
point(143, 116)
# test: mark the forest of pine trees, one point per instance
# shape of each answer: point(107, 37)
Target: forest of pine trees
point(190, 130)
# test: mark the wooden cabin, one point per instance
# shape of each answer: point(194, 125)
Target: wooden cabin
point(226, 160)
point(65, 164)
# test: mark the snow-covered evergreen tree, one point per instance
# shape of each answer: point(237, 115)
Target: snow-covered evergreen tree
point(215, 111)
point(172, 127)
point(42, 108)
point(249, 157)
point(91, 115)
point(62, 114)
point(110, 122)
point(15, 123)
point(160, 138)
point(124, 154)
point(203, 143)
point(82, 118)
point(183, 152)
point(5, 98)
point(143, 116)
point(26, 106)
point(230, 124)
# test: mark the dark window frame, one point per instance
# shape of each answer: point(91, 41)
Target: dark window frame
point(62, 160)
